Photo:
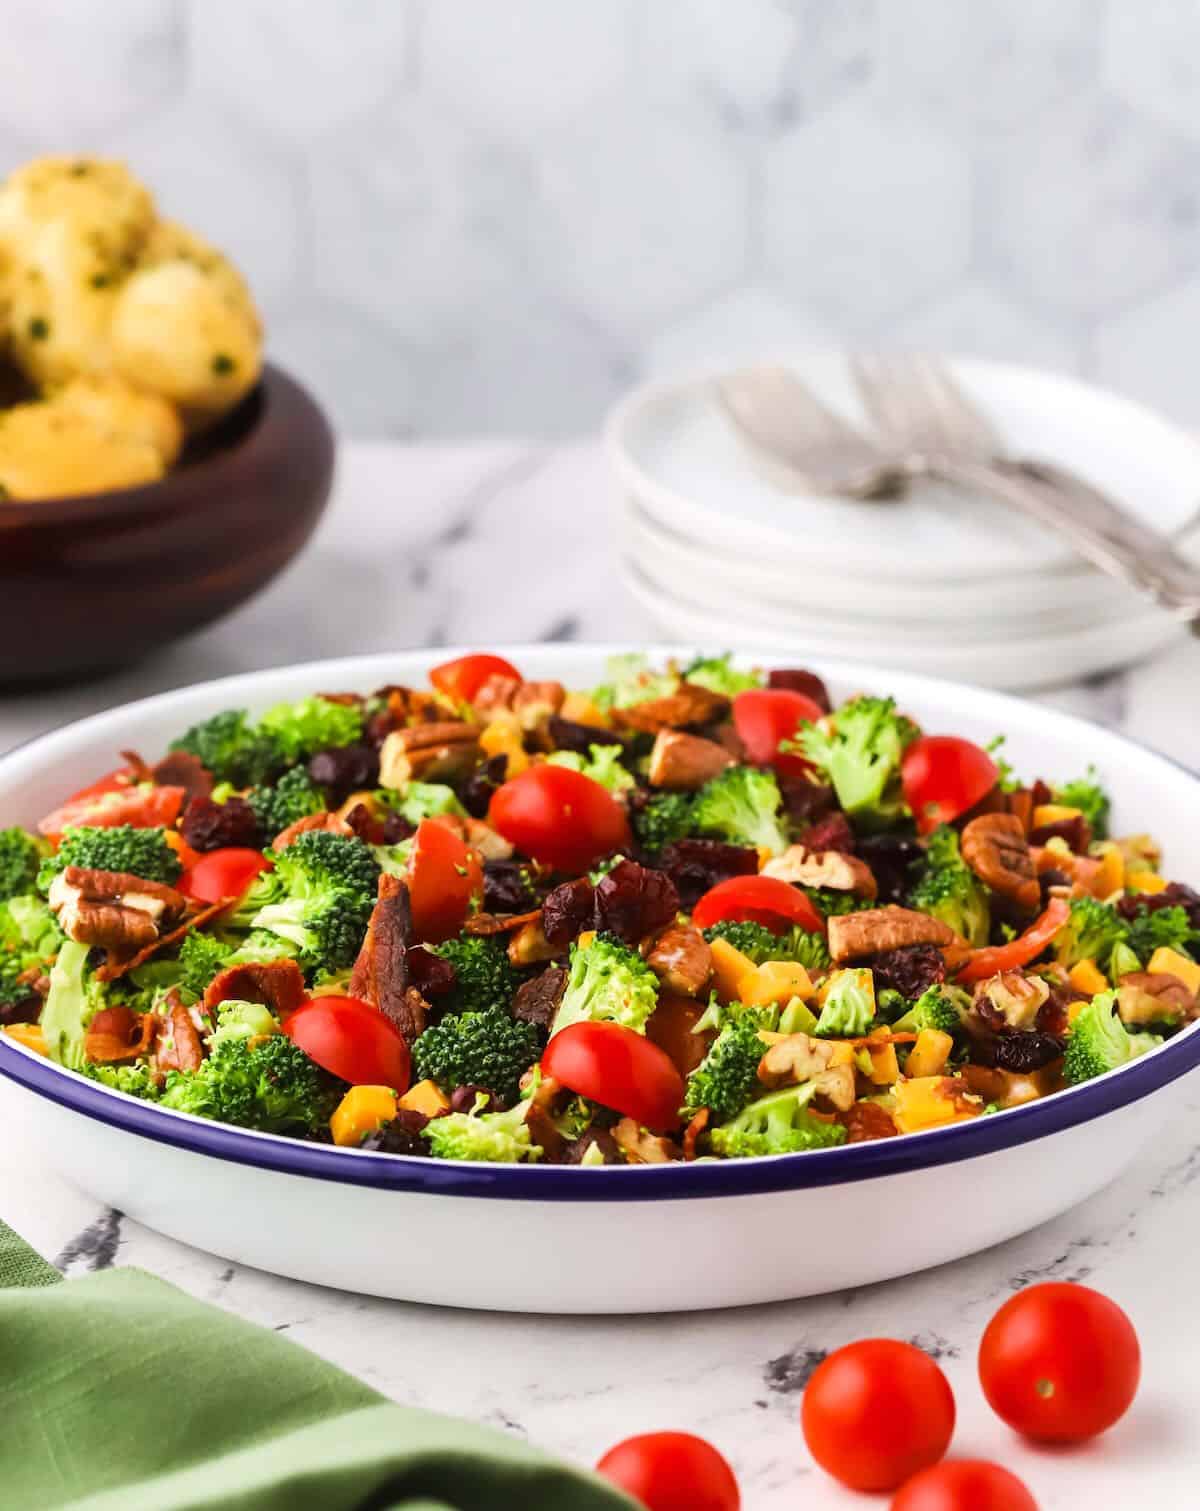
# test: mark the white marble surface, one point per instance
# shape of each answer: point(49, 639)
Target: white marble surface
point(495, 542)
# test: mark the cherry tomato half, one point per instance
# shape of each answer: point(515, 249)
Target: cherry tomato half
point(352, 1040)
point(764, 716)
point(461, 679)
point(1059, 1362)
point(444, 875)
point(612, 1065)
point(964, 1485)
point(116, 799)
point(222, 873)
point(560, 817)
point(672, 1471)
point(942, 776)
point(875, 1412)
point(993, 959)
point(757, 899)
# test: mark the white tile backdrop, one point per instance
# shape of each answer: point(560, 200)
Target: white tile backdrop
point(492, 215)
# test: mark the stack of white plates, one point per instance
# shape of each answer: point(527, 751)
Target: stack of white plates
point(943, 581)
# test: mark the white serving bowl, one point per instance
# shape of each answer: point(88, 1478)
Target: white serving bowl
point(550, 1239)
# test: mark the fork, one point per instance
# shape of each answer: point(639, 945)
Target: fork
point(930, 429)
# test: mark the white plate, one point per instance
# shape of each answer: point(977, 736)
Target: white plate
point(654, 1238)
point(673, 449)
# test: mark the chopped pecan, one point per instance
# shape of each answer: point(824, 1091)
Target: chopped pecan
point(330, 822)
point(1011, 1088)
point(112, 909)
point(995, 848)
point(632, 901)
point(179, 1045)
point(536, 1000)
point(797, 1059)
point(118, 1033)
point(151, 897)
point(529, 945)
point(428, 752)
point(277, 984)
point(687, 705)
point(641, 1148)
point(853, 935)
point(1158, 997)
point(681, 958)
point(381, 973)
point(833, 869)
point(1010, 1000)
point(684, 762)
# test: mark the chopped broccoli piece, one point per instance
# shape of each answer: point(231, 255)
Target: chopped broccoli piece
point(665, 818)
point(607, 982)
point(322, 858)
point(1098, 1041)
point(1092, 932)
point(243, 1020)
point(1123, 961)
point(742, 806)
point(420, 800)
point(27, 924)
point(487, 1049)
point(630, 681)
point(727, 1078)
point(141, 852)
point(498, 1137)
point(759, 943)
point(301, 729)
point(861, 755)
point(778, 1123)
point(134, 1080)
point(20, 857)
point(720, 676)
point(201, 957)
point(73, 999)
point(831, 904)
point(232, 749)
point(1086, 794)
point(949, 890)
point(294, 796)
point(938, 1007)
point(1151, 929)
point(602, 764)
point(259, 1082)
point(483, 976)
point(849, 1005)
point(327, 884)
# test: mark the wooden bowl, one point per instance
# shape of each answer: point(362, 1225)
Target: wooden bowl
point(94, 582)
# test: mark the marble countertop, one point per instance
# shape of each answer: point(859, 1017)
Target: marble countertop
point(427, 546)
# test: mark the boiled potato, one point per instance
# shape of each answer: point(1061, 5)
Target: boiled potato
point(169, 241)
point(50, 451)
point(125, 412)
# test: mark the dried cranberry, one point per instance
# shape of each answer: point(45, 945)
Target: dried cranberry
point(632, 901)
point(429, 973)
point(1176, 894)
point(25, 1010)
point(1054, 1014)
point(567, 910)
point(1019, 1052)
point(347, 769)
point(805, 802)
point(1076, 832)
point(378, 727)
point(695, 865)
point(892, 859)
point(830, 833)
point(396, 829)
point(478, 788)
point(506, 887)
point(182, 769)
point(211, 826)
point(796, 680)
point(567, 735)
point(1041, 794)
point(910, 970)
point(401, 1136)
point(573, 1153)
point(537, 999)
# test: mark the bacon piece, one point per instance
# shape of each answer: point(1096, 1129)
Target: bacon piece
point(114, 967)
point(118, 1033)
point(277, 984)
point(499, 923)
point(179, 1044)
point(381, 973)
point(692, 1132)
point(327, 821)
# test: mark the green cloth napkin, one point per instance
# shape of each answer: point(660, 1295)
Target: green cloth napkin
point(120, 1393)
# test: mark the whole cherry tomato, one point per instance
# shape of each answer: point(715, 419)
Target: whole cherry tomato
point(461, 679)
point(964, 1485)
point(765, 716)
point(672, 1471)
point(223, 873)
point(444, 876)
point(942, 776)
point(875, 1412)
point(116, 799)
point(352, 1040)
point(560, 817)
point(612, 1065)
point(757, 899)
point(1060, 1362)
point(994, 958)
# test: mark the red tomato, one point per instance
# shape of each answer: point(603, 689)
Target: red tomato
point(1060, 1362)
point(116, 799)
point(964, 1485)
point(222, 873)
point(462, 679)
point(618, 1068)
point(943, 776)
point(560, 817)
point(875, 1412)
point(1019, 951)
point(672, 1471)
point(757, 899)
point(763, 716)
point(351, 1040)
point(444, 875)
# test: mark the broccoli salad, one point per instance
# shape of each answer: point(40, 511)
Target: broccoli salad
point(696, 912)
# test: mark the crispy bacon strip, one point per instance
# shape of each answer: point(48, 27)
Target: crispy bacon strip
point(179, 1043)
point(118, 1033)
point(499, 923)
point(112, 969)
point(277, 984)
point(381, 973)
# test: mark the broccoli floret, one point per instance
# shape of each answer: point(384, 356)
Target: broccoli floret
point(665, 818)
point(938, 1007)
point(607, 982)
point(742, 806)
point(477, 1049)
point(1086, 794)
point(294, 796)
point(498, 1137)
point(1160, 928)
point(727, 1078)
point(259, 1082)
point(849, 1005)
point(1098, 1041)
point(201, 957)
point(73, 999)
point(232, 749)
point(420, 800)
point(20, 857)
point(831, 904)
point(759, 943)
point(720, 676)
point(321, 858)
point(13, 991)
point(243, 1020)
point(861, 755)
point(134, 1080)
point(602, 764)
point(483, 976)
point(301, 729)
point(327, 884)
point(141, 852)
point(630, 681)
point(778, 1123)
point(1092, 932)
point(949, 890)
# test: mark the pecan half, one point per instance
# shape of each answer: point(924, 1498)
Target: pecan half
point(112, 909)
point(797, 1059)
point(435, 752)
point(681, 958)
point(277, 984)
point(381, 972)
point(878, 929)
point(688, 704)
point(995, 848)
point(683, 762)
point(833, 869)
point(1010, 1000)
